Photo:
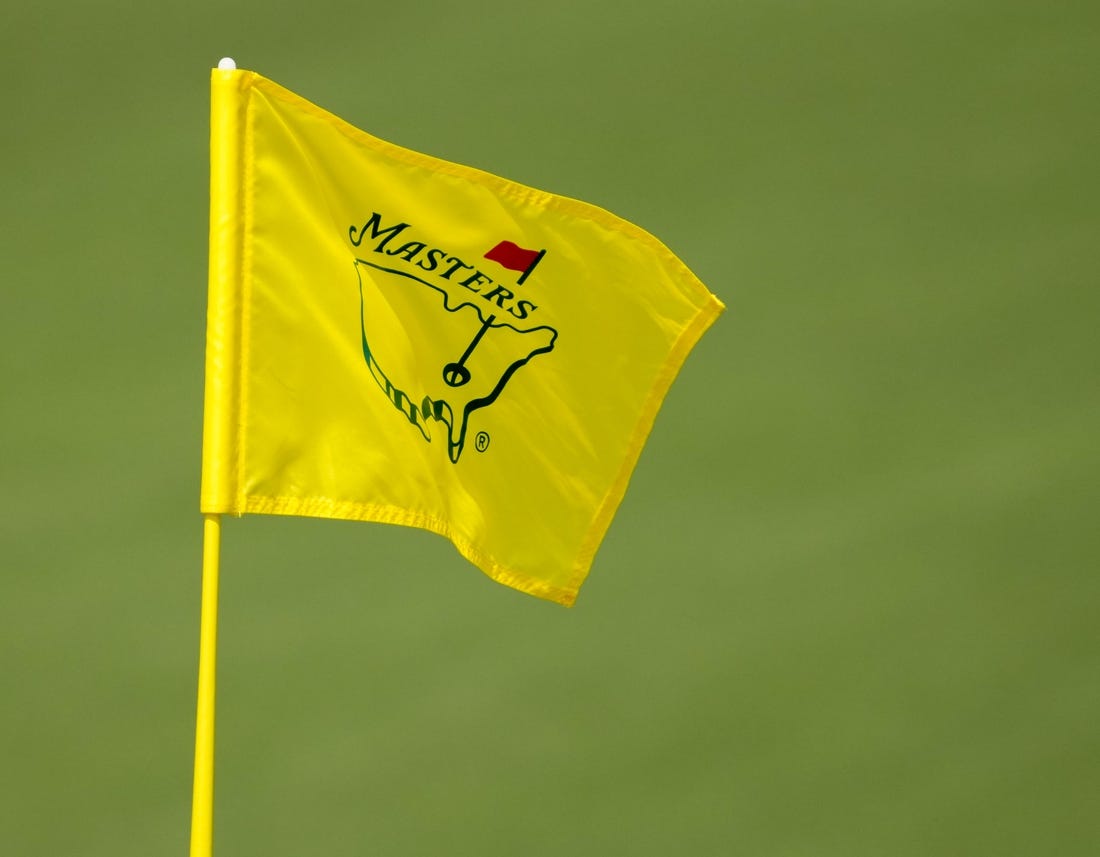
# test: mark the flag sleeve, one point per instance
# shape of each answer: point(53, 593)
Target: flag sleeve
point(224, 292)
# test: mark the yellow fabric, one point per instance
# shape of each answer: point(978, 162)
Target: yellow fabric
point(366, 361)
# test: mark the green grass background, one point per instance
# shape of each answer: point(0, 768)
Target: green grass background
point(850, 603)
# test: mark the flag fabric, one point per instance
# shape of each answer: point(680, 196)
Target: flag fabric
point(364, 363)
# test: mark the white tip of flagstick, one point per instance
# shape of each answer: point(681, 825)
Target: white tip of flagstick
point(226, 64)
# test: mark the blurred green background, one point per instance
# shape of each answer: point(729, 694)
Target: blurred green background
point(850, 603)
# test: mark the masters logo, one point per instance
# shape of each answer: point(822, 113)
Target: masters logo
point(441, 338)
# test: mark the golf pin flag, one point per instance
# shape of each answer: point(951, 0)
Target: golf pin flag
point(383, 346)
point(516, 258)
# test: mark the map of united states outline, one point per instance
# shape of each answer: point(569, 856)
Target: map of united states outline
point(419, 408)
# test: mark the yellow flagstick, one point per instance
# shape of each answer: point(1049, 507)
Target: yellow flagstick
point(225, 182)
point(202, 803)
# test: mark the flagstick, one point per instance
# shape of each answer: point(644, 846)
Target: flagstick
point(202, 803)
point(530, 267)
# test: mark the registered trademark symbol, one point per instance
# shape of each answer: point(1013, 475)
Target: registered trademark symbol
point(481, 442)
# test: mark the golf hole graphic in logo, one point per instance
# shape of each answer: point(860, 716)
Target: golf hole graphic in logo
point(441, 338)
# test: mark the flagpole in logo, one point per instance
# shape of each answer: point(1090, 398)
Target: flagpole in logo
point(531, 267)
point(456, 374)
point(514, 258)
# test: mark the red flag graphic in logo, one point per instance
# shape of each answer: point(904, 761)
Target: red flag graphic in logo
point(515, 258)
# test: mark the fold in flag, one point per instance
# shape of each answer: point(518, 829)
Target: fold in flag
point(364, 362)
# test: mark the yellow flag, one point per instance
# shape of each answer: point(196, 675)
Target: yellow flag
point(392, 337)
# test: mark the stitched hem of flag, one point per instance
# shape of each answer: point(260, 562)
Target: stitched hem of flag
point(349, 510)
point(661, 384)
